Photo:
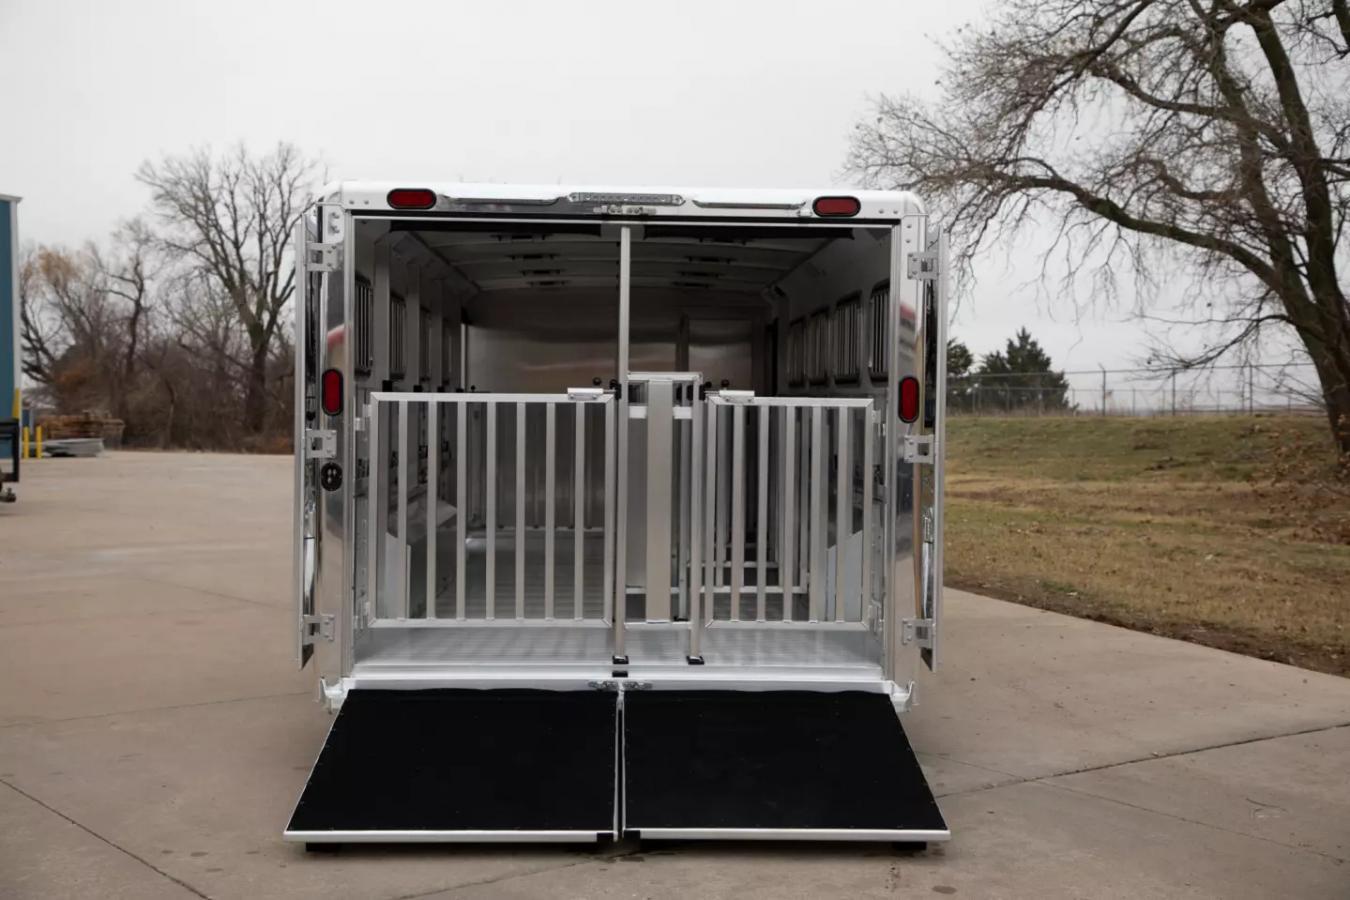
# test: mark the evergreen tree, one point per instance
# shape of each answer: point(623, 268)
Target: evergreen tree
point(959, 383)
point(1021, 378)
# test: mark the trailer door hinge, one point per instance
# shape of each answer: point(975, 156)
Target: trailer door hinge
point(318, 627)
point(320, 443)
point(321, 257)
point(916, 631)
point(922, 266)
point(917, 448)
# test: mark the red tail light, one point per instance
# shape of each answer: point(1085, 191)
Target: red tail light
point(840, 207)
point(909, 398)
point(330, 392)
point(411, 198)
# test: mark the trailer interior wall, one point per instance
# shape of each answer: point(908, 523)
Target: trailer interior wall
point(533, 309)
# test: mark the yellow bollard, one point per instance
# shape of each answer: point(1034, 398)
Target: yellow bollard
point(39, 442)
point(23, 444)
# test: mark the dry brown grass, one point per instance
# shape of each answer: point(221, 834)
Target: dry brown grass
point(1233, 532)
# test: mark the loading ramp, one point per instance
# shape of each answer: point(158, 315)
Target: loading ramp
point(506, 765)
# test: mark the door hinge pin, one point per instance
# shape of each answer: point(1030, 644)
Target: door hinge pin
point(918, 631)
point(917, 448)
point(320, 257)
point(316, 627)
point(922, 266)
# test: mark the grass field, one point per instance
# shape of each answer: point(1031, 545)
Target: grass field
point(1228, 531)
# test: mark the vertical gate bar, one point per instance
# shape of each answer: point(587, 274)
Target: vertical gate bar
point(803, 498)
point(621, 444)
point(843, 510)
point(550, 464)
point(461, 502)
point(377, 515)
point(866, 587)
point(684, 445)
point(723, 508)
point(786, 564)
point(520, 510)
point(578, 510)
point(764, 420)
point(710, 517)
point(608, 589)
point(490, 485)
point(694, 490)
point(433, 500)
point(658, 509)
point(819, 516)
point(404, 469)
point(737, 508)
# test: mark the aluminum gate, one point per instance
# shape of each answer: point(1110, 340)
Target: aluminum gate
point(444, 765)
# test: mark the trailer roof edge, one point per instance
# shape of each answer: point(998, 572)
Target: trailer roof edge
point(790, 204)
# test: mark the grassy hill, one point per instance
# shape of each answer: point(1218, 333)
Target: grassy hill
point(1232, 531)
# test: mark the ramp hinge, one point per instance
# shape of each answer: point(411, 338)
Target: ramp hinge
point(917, 448)
point(922, 266)
point(918, 631)
point(320, 443)
point(318, 627)
point(321, 257)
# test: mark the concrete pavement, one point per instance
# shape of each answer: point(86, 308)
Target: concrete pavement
point(154, 736)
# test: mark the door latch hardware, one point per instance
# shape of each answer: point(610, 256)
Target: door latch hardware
point(917, 448)
point(918, 631)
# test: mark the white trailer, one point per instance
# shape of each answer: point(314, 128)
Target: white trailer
point(618, 511)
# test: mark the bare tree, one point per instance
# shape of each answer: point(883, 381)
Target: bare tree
point(1215, 133)
point(125, 275)
point(230, 219)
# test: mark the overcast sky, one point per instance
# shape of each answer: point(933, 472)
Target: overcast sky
point(731, 93)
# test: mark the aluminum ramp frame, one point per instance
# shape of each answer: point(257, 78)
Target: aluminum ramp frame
point(773, 765)
point(449, 765)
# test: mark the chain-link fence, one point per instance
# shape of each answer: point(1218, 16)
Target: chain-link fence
point(1290, 387)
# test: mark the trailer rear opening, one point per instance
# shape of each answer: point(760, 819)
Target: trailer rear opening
point(636, 490)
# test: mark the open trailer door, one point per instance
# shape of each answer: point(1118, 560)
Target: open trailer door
point(931, 268)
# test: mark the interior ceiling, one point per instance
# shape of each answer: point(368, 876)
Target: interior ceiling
point(497, 262)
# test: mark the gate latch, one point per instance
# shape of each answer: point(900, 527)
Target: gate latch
point(917, 630)
point(316, 627)
point(917, 448)
point(320, 443)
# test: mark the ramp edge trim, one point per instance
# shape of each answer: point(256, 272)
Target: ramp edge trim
point(444, 837)
point(792, 834)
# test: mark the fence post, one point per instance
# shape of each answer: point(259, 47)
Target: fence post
point(1251, 388)
point(1174, 392)
point(1103, 368)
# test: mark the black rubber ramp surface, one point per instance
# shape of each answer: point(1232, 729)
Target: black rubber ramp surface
point(772, 759)
point(465, 760)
